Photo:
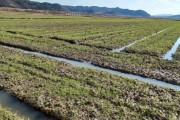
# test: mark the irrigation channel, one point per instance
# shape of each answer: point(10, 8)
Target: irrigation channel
point(168, 55)
point(28, 112)
point(142, 39)
point(20, 108)
point(89, 65)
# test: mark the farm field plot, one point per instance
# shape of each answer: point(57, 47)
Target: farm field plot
point(107, 33)
point(63, 91)
point(21, 33)
point(67, 92)
point(157, 45)
point(131, 63)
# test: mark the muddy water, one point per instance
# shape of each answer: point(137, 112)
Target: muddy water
point(144, 38)
point(168, 55)
point(20, 108)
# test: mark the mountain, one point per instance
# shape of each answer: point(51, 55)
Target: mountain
point(168, 16)
point(108, 11)
point(27, 4)
point(175, 17)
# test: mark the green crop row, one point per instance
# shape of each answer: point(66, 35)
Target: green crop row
point(68, 92)
point(157, 45)
point(123, 39)
point(34, 34)
point(143, 65)
point(92, 31)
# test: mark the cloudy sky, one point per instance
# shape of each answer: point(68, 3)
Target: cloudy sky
point(151, 6)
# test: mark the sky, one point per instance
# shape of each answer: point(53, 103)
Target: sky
point(154, 7)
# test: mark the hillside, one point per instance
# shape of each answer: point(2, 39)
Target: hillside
point(109, 11)
point(26, 4)
point(170, 17)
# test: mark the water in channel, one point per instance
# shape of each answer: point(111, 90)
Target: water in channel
point(89, 65)
point(144, 38)
point(169, 54)
point(22, 109)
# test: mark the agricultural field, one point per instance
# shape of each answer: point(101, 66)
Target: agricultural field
point(64, 91)
point(91, 31)
point(68, 92)
point(157, 45)
point(42, 35)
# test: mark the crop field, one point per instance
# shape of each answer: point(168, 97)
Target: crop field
point(68, 92)
point(106, 33)
point(157, 45)
point(42, 35)
point(65, 91)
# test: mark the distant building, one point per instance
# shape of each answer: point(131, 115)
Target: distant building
point(73, 14)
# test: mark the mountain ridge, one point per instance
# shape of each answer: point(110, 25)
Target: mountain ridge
point(168, 16)
point(27, 4)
